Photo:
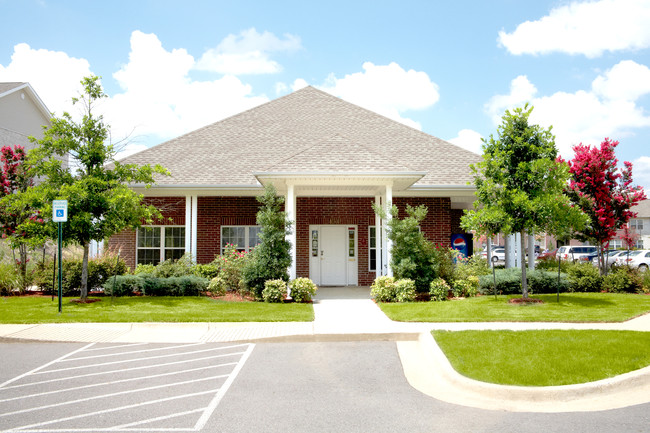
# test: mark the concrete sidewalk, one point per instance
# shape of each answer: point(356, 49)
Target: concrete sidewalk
point(346, 314)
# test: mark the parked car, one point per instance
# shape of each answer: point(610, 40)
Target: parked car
point(635, 259)
point(576, 253)
point(610, 257)
point(548, 255)
point(494, 247)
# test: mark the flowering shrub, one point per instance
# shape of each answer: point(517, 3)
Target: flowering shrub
point(439, 290)
point(467, 287)
point(383, 289)
point(405, 290)
point(217, 286)
point(302, 289)
point(231, 265)
point(274, 291)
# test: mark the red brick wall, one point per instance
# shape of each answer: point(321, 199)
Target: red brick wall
point(334, 210)
point(213, 212)
point(173, 210)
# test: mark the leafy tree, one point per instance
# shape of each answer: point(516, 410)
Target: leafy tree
point(270, 260)
point(519, 184)
point(412, 256)
point(19, 221)
point(603, 192)
point(100, 204)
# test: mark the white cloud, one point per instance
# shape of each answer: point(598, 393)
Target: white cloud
point(54, 75)
point(386, 89)
point(608, 109)
point(247, 53)
point(641, 172)
point(159, 93)
point(588, 28)
point(468, 140)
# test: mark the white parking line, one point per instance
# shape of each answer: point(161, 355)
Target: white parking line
point(158, 394)
point(94, 349)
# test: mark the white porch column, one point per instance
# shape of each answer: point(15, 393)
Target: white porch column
point(290, 209)
point(531, 251)
point(188, 226)
point(379, 240)
point(389, 245)
point(195, 221)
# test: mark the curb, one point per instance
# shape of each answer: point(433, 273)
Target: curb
point(428, 370)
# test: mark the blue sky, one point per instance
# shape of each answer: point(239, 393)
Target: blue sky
point(448, 68)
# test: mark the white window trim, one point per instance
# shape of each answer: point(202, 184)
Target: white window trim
point(162, 246)
point(635, 223)
point(246, 236)
point(375, 248)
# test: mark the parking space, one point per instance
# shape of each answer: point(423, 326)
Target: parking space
point(123, 387)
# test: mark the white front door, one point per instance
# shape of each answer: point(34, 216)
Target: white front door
point(333, 255)
point(333, 263)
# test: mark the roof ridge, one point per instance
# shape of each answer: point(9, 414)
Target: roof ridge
point(302, 150)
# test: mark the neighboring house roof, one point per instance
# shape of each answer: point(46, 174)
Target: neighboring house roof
point(642, 209)
point(308, 131)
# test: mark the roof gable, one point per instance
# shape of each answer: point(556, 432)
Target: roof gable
point(308, 128)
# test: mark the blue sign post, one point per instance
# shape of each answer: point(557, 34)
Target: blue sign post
point(60, 215)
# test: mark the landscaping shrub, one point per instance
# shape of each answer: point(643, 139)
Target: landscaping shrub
point(187, 285)
point(471, 266)
point(508, 282)
point(9, 279)
point(174, 268)
point(623, 280)
point(209, 270)
point(383, 289)
point(99, 271)
point(439, 290)
point(302, 289)
point(405, 290)
point(465, 288)
point(541, 281)
point(584, 277)
point(144, 269)
point(443, 262)
point(231, 267)
point(42, 274)
point(274, 291)
point(550, 264)
point(272, 257)
point(123, 285)
point(217, 286)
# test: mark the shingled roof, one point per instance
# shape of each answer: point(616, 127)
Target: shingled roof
point(306, 131)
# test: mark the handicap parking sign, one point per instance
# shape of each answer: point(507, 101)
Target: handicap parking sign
point(59, 211)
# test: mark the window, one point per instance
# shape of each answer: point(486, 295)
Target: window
point(615, 244)
point(245, 238)
point(372, 248)
point(636, 224)
point(155, 244)
point(638, 244)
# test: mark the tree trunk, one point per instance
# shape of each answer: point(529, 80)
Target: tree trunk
point(522, 255)
point(84, 273)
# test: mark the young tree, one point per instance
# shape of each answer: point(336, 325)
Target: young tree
point(19, 221)
point(603, 192)
point(270, 260)
point(519, 184)
point(100, 204)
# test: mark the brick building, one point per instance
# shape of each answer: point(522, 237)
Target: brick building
point(329, 158)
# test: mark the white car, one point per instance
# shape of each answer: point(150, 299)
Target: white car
point(610, 257)
point(576, 253)
point(636, 259)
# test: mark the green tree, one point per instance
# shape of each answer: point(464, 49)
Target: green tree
point(270, 259)
point(519, 184)
point(100, 204)
point(412, 256)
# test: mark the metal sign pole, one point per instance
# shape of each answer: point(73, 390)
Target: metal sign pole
point(60, 264)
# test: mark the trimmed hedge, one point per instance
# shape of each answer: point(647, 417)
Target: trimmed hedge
point(128, 285)
point(508, 282)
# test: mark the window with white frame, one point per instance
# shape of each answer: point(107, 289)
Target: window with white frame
point(372, 248)
point(615, 244)
point(638, 244)
point(156, 244)
point(636, 224)
point(244, 238)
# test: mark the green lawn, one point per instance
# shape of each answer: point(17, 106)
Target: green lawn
point(149, 309)
point(544, 358)
point(573, 307)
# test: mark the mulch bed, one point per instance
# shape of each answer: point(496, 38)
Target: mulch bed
point(525, 301)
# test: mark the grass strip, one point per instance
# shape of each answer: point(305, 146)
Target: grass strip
point(573, 307)
point(545, 357)
point(31, 309)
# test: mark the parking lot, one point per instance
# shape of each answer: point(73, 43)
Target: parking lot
point(123, 387)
